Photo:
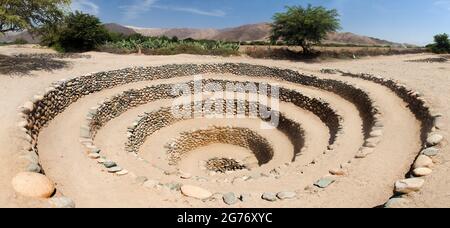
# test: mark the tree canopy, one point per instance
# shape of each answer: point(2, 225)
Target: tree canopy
point(16, 15)
point(76, 32)
point(304, 26)
point(441, 44)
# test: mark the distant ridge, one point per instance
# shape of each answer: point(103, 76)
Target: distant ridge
point(250, 32)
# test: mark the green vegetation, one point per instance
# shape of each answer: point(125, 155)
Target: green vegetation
point(441, 44)
point(77, 32)
point(304, 27)
point(169, 46)
point(16, 15)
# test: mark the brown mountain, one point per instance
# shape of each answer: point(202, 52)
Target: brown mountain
point(251, 32)
point(257, 32)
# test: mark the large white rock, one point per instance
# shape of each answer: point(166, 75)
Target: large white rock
point(421, 172)
point(423, 161)
point(434, 139)
point(409, 185)
point(33, 185)
point(195, 192)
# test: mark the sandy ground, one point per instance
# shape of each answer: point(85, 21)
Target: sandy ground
point(369, 183)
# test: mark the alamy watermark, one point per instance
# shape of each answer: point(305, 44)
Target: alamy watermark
point(228, 100)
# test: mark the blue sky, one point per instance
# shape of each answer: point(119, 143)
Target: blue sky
point(408, 21)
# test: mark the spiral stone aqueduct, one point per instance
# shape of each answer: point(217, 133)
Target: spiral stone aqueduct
point(335, 144)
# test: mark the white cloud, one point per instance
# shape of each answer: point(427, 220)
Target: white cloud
point(138, 7)
point(212, 13)
point(85, 6)
point(141, 6)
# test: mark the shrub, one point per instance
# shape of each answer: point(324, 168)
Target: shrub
point(78, 32)
point(441, 44)
point(170, 46)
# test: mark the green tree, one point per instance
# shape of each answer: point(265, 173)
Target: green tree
point(16, 15)
point(304, 27)
point(441, 44)
point(81, 32)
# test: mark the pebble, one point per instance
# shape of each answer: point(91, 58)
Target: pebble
point(269, 196)
point(434, 139)
point(28, 107)
point(114, 169)
point(109, 164)
point(376, 133)
point(337, 172)
point(33, 185)
point(431, 152)
point(324, 182)
point(34, 168)
point(230, 198)
point(61, 202)
point(286, 195)
point(122, 172)
point(409, 185)
point(423, 161)
point(421, 172)
point(185, 175)
point(195, 192)
point(94, 155)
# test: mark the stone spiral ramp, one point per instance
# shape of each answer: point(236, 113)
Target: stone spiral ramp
point(346, 140)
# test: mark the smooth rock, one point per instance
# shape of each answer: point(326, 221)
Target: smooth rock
point(269, 196)
point(109, 164)
point(94, 155)
point(114, 169)
point(421, 172)
point(195, 192)
point(376, 133)
point(431, 152)
point(28, 107)
point(409, 185)
point(61, 202)
point(185, 175)
point(286, 195)
point(423, 161)
point(122, 172)
point(34, 168)
point(337, 172)
point(434, 139)
point(230, 198)
point(324, 182)
point(33, 185)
